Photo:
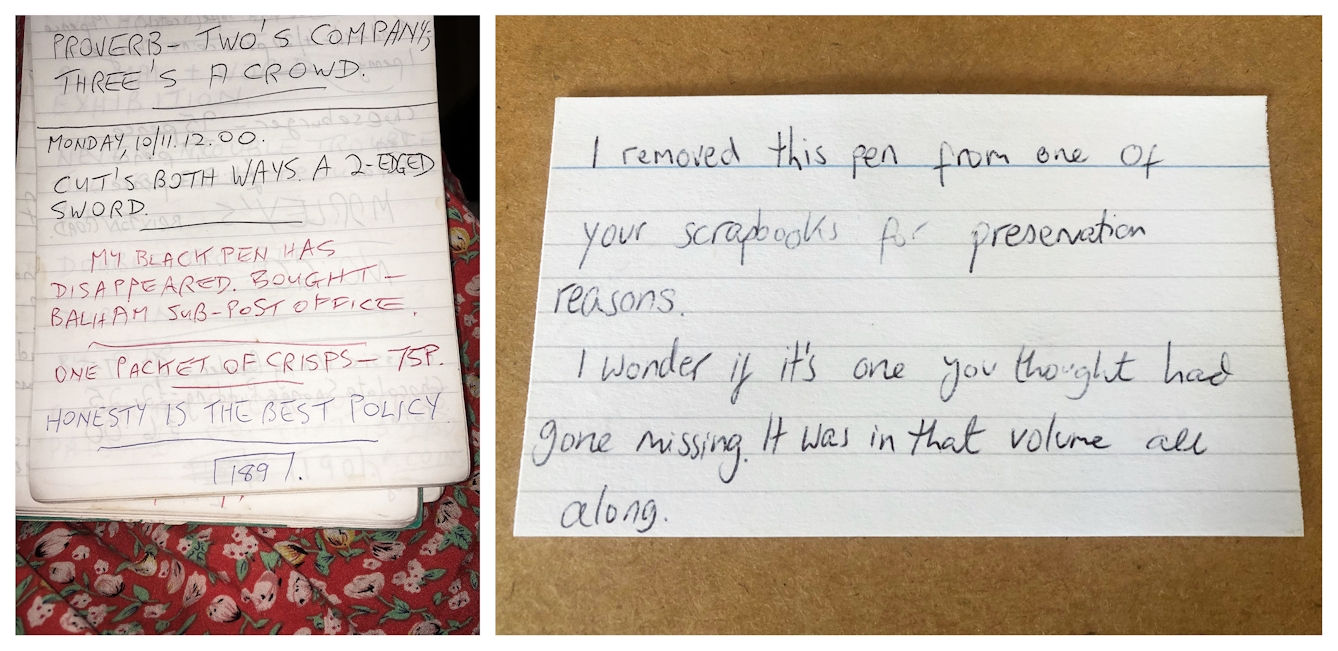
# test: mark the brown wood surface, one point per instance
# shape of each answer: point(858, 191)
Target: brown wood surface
point(907, 585)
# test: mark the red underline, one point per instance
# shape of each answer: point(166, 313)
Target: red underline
point(220, 341)
point(248, 384)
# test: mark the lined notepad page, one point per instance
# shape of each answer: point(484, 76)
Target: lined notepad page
point(374, 508)
point(243, 277)
point(909, 315)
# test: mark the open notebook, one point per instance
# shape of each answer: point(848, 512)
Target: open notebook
point(229, 312)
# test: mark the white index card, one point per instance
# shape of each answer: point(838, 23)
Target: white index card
point(909, 316)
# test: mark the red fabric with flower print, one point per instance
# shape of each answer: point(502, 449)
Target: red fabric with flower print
point(118, 577)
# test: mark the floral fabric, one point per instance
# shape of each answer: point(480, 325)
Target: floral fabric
point(127, 578)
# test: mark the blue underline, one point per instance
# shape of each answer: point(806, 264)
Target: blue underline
point(882, 167)
point(132, 445)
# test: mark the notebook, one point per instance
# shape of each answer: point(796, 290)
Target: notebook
point(373, 346)
point(945, 315)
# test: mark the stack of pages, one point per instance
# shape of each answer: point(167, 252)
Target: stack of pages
point(234, 287)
